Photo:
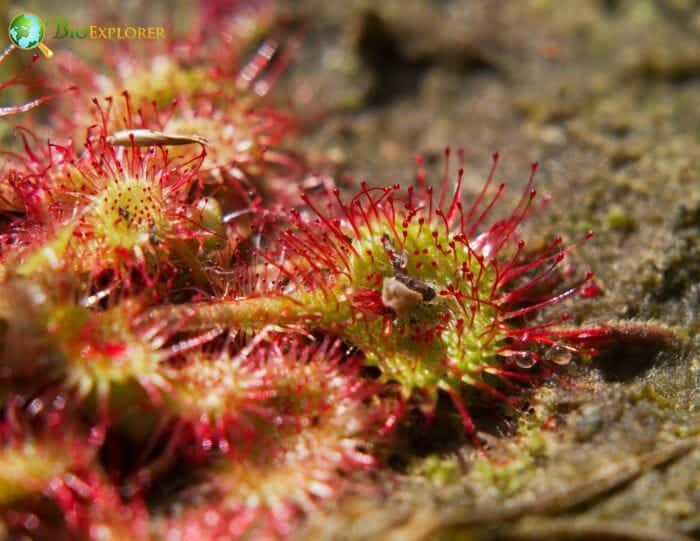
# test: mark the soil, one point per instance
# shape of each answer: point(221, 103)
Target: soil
point(604, 95)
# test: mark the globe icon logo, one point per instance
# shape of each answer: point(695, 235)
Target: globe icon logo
point(27, 32)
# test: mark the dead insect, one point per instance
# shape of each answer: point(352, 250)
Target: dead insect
point(402, 292)
point(398, 296)
point(124, 213)
point(143, 137)
point(419, 286)
point(399, 260)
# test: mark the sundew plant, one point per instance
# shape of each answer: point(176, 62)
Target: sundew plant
point(207, 332)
